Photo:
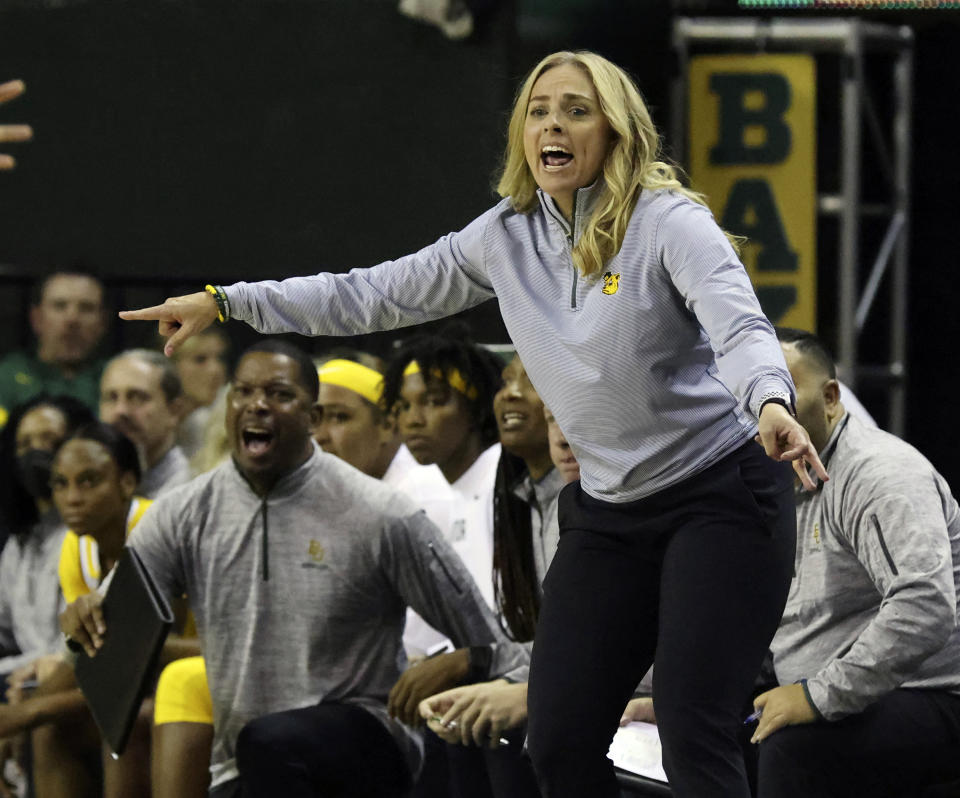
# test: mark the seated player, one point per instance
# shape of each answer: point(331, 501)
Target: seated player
point(441, 388)
point(354, 426)
point(30, 599)
point(481, 713)
point(93, 479)
point(29, 588)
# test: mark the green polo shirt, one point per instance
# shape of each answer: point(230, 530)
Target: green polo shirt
point(23, 376)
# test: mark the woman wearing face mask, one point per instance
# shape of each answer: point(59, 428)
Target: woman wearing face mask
point(29, 590)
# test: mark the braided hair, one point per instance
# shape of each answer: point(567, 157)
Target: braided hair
point(451, 350)
point(515, 586)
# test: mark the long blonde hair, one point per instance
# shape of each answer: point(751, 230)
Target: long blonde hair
point(633, 163)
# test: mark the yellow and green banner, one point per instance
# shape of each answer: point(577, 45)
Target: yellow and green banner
point(752, 145)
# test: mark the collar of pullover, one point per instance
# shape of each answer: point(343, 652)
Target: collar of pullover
point(288, 485)
point(542, 490)
point(583, 201)
point(831, 445)
point(826, 455)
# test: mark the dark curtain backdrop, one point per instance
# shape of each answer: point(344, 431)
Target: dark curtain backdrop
point(179, 142)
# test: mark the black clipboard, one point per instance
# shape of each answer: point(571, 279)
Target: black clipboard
point(115, 681)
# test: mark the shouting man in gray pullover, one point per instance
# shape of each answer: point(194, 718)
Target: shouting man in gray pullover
point(299, 570)
point(868, 651)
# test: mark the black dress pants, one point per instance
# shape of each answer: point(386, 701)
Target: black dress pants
point(906, 740)
point(694, 579)
point(331, 750)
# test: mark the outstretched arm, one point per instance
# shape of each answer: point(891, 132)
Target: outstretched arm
point(9, 91)
point(179, 317)
point(439, 280)
point(715, 287)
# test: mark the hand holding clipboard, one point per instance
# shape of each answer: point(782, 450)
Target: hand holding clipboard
point(119, 637)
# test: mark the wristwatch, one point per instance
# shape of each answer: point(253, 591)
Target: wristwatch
point(778, 401)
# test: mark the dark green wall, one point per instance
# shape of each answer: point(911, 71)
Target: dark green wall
point(244, 139)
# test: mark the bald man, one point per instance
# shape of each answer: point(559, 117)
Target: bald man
point(868, 651)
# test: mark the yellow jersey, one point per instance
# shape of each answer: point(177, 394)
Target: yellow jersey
point(79, 568)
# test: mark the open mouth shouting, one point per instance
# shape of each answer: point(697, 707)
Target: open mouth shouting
point(554, 157)
point(256, 440)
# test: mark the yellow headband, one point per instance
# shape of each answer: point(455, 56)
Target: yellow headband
point(453, 377)
point(354, 377)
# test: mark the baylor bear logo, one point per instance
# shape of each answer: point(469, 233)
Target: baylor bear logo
point(611, 282)
point(316, 551)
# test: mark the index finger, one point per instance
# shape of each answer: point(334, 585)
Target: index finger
point(814, 459)
point(767, 726)
point(96, 611)
point(397, 696)
point(16, 133)
point(447, 735)
point(426, 709)
point(155, 313)
point(81, 636)
point(409, 711)
point(11, 89)
point(457, 708)
point(800, 467)
point(90, 628)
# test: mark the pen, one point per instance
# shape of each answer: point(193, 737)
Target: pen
point(756, 715)
point(453, 724)
point(438, 652)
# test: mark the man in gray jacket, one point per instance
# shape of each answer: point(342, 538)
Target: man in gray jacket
point(868, 651)
point(299, 569)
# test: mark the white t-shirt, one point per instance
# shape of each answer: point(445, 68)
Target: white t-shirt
point(403, 466)
point(463, 511)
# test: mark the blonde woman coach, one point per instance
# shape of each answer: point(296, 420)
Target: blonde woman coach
point(640, 330)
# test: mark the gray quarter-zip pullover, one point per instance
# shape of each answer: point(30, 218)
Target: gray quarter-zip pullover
point(874, 599)
point(300, 597)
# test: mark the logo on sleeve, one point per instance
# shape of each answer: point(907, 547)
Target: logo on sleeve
point(816, 534)
point(611, 282)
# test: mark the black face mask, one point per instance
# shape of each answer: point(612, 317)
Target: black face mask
point(33, 470)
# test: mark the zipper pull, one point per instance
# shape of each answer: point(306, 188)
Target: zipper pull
point(265, 541)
